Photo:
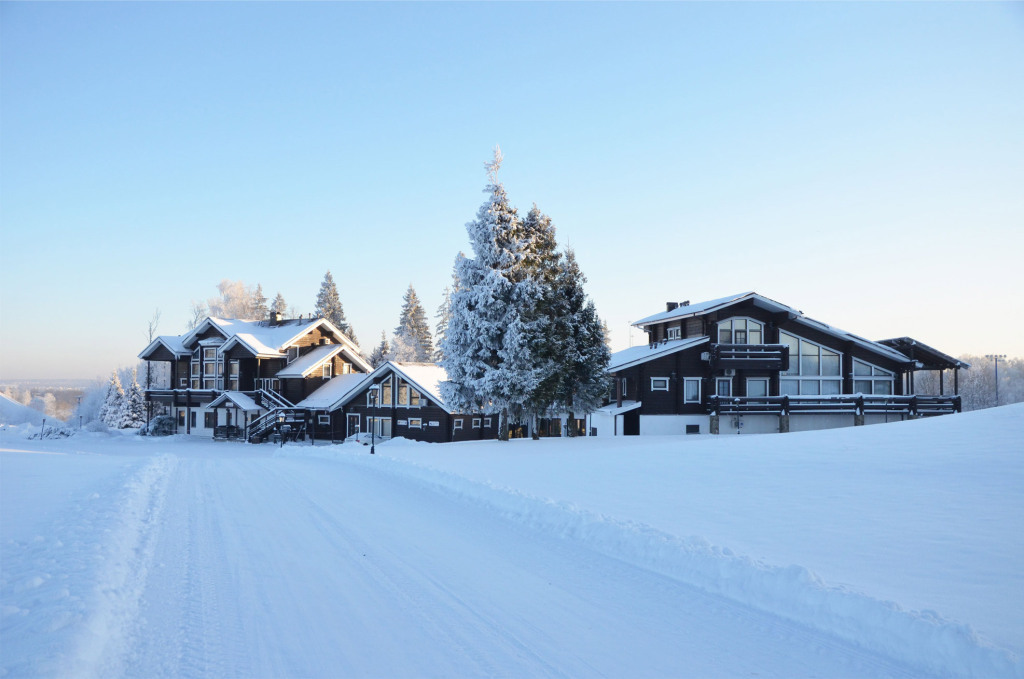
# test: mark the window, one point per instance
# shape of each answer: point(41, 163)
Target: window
point(414, 398)
point(293, 353)
point(673, 332)
point(346, 368)
point(184, 382)
point(757, 386)
point(415, 423)
point(233, 370)
point(659, 384)
point(457, 423)
point(403, 394)
point(870, 379)
point(381, 426)
point(623, 383)
point(476, 423)
point(194, 384)
point(210, 420)
point(810, 362)
point(693, 429)
point(691, 390)
point(209, 383)
point(487, 422)
point(192, 419)
point(327, 370)
point(740, 331)
point(323, 420)
point(209, 354)
point(723, 386)
point(181, 418)
point(195, 369)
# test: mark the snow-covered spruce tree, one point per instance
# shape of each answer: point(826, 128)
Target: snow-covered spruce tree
point(279, 306)
point(110, 411)
point(381, 352)
point(582, 363)
point(542, 262)
point(487, 347)
point(444, 312)
point(132, 414)
point(260, 310)
point(413, 333)
point(328, 305)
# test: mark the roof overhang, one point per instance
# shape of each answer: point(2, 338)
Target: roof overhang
point(925, 356)
point(628, 358)
point(160, 342)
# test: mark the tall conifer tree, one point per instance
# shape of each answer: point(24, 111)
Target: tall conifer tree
point(412, 331)
point(328, 305)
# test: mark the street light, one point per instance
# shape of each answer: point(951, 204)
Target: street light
point(374, 395)
point(996, 358)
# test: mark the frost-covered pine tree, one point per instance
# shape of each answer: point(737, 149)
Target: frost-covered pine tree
point(132, 413)
point(279, 306)
point(486, 348)
point(110, 411)
point(260, 311)
point(412, 336)
point(328, 305)
point(381, 352)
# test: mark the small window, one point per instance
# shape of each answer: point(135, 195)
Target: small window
point(623, 386)
point(414, 397)
point(184, 385)
point(209, 354)
point(415, 423)
point(346, 368)
point(723, 386)
point(458, 423)
point(673, 333)
point(487, 422)
point(293, 353)
point(234, 368)
point(476, 423)
point(192, 419)
point(659, 384)
point(327, 371)
point(693, 429)
point(323, 420)
point(691, 390)
point(181, 418)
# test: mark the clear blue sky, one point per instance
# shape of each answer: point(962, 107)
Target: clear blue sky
point(863, 162)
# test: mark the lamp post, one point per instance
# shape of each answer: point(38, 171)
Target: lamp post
point(996, 358)
point(374, 396)
point(79, 413)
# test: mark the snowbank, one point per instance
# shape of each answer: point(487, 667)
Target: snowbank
point(13, 413)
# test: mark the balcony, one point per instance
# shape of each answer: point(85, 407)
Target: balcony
point(749, 356)
point(857, 404)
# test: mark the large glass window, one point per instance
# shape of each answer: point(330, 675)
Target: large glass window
point(870, 379)
point(757, 386)
point(813, 369)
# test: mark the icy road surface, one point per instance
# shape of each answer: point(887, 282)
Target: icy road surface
point(229, 562)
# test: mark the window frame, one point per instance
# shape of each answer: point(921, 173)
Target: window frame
point(673, 332)
point(700, 387)
point(457, 424)
point(719, 381)
point(664, 380)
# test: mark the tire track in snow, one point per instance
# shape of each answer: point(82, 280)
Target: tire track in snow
point(128, 553)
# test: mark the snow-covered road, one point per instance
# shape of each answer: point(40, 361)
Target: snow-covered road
point(232, 565)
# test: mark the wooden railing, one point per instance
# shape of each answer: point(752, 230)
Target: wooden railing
point(858, 404)
point(749, 356)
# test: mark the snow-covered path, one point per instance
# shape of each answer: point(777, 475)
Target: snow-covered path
point(247, 566)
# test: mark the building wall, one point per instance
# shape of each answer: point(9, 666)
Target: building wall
point(661, 425)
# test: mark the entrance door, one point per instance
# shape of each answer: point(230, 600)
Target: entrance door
point(352, 428)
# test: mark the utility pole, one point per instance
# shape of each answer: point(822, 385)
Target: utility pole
point(996, 358)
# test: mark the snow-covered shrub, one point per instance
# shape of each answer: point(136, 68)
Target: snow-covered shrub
point(48, 431)
point(161, 425)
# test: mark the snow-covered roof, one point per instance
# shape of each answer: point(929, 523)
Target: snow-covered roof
point(310, 361)
point(335, 392)
point(710, 305)
point(426, 377)
point(615, 409)
point(627, 358)
point(170, 342)
point(237, 399)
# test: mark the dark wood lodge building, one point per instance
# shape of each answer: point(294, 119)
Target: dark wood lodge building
point(301, 378)
point(748, 364)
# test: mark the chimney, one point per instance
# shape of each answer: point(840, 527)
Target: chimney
point(275, 318)
point(686, 303)
point(671, 306)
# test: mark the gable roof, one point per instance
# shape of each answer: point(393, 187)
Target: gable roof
point(262, 339)
point(310, 361)
point(237, 399)
point(170, 342)
point(627, 358)
point(768, 304)
point(425, 378)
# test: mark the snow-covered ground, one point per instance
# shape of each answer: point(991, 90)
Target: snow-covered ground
point(889, 550)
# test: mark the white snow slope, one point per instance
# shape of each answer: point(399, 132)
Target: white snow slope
point(889, 550)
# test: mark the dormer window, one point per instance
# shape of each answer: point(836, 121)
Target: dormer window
point(673, 332)
point(293, 353)
point(740, 331)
